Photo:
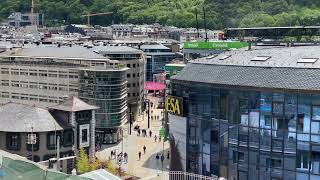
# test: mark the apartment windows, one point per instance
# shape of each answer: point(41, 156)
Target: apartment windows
point(133, 75)
point(128, 65)
point(52, 75)
point(316, 112)
point(237, 156)
point(128, 94)
point(303, 161)
point(128, 85)
point(4, 82)
point(133, 84)
point(273, 163)
point(134, 65)
point(13, 141)
point(5, 95)
point(15, 83)
point(24, 73)
point(128, 75)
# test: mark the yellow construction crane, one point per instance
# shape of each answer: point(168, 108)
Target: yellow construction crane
point(96, 14)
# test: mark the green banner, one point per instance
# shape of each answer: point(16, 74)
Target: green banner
point(220, 45)
point(162, 132)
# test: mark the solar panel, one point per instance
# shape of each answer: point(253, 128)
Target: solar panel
point(261, 58)
point(307, 60)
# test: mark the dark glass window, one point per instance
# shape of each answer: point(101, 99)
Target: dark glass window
point(51, 140)
point(68, 138)
point(13, 141)
point(84, 135)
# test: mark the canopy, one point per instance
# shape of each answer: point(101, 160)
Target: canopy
point(154, 86)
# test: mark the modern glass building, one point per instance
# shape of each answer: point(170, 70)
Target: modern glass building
point(251, 115)
point(157, 58)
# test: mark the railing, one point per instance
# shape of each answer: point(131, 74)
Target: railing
point(179, 175)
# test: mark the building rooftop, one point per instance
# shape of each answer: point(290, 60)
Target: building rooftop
point(16, 117)
point(48, 51)
point(275, 57)
point(286, 68)
point(73, 104)
point(117, 50)
point(154, 46)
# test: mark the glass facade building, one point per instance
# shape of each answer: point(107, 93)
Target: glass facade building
point(106, 89)
point(249, 123)
point(244, 134)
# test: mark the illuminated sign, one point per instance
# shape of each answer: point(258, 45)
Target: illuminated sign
point(174, 105)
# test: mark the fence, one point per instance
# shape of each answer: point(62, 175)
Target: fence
point(178, 175)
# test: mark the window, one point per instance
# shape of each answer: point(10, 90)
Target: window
point(273, 163)
point(134, 65)
point(84, 135)
point(128, 75)
point(128, 85)
point(316, 112)
point(303, 161)
point(133, 75)
point(260, 58)
point(138, 75)
point(32, 142)
point(128, 65)
point(67, 138)
point(224, 57)
point(237, 156)
point(307, 60)
point(128, 94)
point(133, 84)
point(13, 141)
point(51, 140)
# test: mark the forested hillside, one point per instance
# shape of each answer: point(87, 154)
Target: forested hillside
point(181, 13)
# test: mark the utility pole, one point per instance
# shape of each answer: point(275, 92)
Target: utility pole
point(58, 153)
point(205, 21)
point(197, 23)
point(148, 114)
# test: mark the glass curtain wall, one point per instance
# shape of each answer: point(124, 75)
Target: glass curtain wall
point(250, 135)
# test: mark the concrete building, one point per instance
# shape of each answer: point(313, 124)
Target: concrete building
point(33, 132)
point(249, 114)
point(135, 60)
point(158, 56)
point(121, 30)
point(43, 75)
point(18, 19)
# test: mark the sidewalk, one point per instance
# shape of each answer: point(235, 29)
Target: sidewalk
point(132, 144)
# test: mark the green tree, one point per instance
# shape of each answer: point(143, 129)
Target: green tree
point(82, 162)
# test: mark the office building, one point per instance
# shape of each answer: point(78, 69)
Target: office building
point(249, 114)
point(43, 75)
point(18, 19)
point(135, 60)
point(158, 56)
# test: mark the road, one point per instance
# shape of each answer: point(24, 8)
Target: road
point(148, 165)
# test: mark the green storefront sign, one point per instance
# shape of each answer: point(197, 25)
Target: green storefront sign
point(215, 45)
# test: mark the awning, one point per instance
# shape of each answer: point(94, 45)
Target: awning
point(154, 86)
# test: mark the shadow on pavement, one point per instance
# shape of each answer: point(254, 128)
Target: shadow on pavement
point(153, 163)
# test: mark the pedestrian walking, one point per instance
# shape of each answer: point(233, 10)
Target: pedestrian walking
point(138, 132)
point(111, 154)
point(159, 138)
point(168, 155)
point(125, 156)
point(139, 154)
point(157, 157)
point(144, 149)
point(162, 157)
point(150, 133)
point(158, 117)
point(155, 138)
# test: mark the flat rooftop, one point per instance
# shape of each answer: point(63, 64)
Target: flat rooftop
point(116, 50)
point(291, 57)
point(280, 68)
point(53, 51)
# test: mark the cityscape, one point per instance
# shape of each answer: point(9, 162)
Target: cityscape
point(159, 90)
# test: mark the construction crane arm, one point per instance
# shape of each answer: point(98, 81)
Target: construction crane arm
point(97, 14)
